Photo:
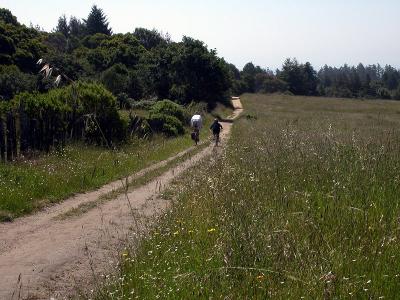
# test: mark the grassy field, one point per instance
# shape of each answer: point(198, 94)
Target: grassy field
point(29, 185)
point(304, 204)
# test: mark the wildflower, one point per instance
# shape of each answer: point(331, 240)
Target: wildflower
point(125, 254)
point(211, 230)
point(260, 277)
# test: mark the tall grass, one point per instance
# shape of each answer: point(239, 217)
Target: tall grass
point(303, 204)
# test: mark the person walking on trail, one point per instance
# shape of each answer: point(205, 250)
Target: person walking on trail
point(196, 122)
point(216, 129)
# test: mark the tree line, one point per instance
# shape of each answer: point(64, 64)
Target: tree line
point(372, 81)
point(141, 64)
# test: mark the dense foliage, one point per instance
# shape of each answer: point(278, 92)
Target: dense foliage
point(42, 121)
point(144, 64)
point(167, 117)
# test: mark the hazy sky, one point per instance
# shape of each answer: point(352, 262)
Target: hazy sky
point(330, 32)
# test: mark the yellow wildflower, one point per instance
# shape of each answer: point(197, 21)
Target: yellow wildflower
point(211, 230)
point(261, 277)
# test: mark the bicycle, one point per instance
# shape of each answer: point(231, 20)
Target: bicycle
point(216, 138)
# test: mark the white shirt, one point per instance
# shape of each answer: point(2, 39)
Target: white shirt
point(196, 120)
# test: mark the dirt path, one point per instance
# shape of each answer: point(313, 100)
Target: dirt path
point(42, 257)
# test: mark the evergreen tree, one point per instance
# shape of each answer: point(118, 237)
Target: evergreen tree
point(62, 26)
point(76, 27)
point(310, 79)
point(7, 17)
point(97, 22)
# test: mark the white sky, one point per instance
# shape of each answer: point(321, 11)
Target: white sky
point(266, 32)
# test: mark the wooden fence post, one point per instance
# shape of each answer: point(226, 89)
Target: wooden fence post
point(25, 133)
point(2, 139)
point(9, 137)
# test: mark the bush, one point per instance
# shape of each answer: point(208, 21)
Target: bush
point(396, 94)
point(116, 78)
point(13, 81)
point(170, 108)
point(169, 125)
point(167, 117)
point(81, 110)
point(143, 104)
point(383, 93)
point(97, 104)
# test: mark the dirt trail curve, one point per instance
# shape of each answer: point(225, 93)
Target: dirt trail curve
point(42, 257)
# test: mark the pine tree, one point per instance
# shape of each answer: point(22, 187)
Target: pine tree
point(62, 26)
point(76, 27)
point(97, 22)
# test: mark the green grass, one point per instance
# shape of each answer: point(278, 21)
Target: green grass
point(303, 204)
point(29, 185)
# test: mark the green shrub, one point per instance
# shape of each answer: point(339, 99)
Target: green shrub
point(384, 93)
point(13, 81)
point(396, 94)
point(167, 124)
point(170, 108)
point(167, 117)
point(143, 104)
point(80, 111)
point(97, 105)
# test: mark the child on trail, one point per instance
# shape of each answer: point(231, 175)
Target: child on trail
point(216, 129)
point(196, 122)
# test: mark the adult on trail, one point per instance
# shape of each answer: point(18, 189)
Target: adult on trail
point(216, 129)
point(196, 123)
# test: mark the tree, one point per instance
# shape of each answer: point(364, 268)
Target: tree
point(149, 38)
point(96, 22)
point(62, 26)
point(310, 79)
point(13, 81)
point(293, 75)
point(58, 41)
point(391, 78)
point(198, 74)
point(248, 76)
point(77, 28)
point(7, 17)
point(116, 78)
